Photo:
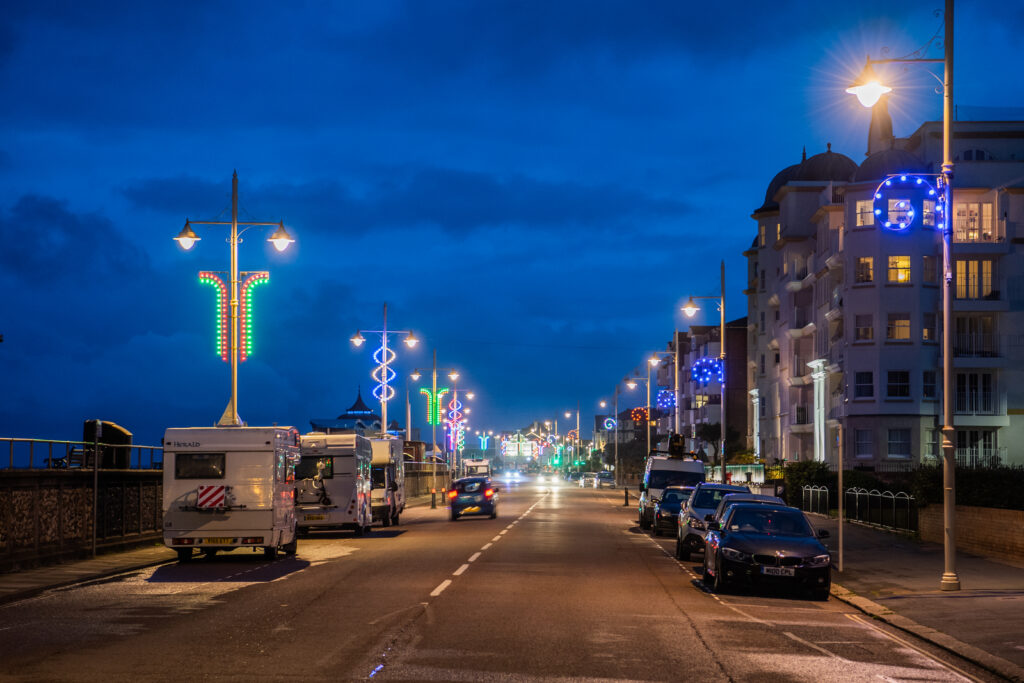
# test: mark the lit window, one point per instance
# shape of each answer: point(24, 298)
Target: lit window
point(865, 270)
point(899, 269)
point(898, 328)
point(778, 231)
point(865, 212)
point(760, 235)
point(972, 221)
point(899, 211)
point(899, 443)
point(928, 332)
point(929, 212)
point(974, 279)
point(898, 385)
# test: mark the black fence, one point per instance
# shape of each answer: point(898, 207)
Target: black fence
point(882, 508)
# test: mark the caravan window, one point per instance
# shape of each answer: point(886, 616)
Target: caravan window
point(199, 466)
point(378, 479)
point(307, 468)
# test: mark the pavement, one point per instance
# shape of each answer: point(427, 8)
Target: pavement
point(29, 582)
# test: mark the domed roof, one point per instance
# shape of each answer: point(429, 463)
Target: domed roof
point(827, 166)
point(780, 179)
point(887, 162)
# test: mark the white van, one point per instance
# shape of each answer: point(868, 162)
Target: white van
point(230, 487)
point(664, 470)
point(387, 495)
point(476, 468)
point(333, 482)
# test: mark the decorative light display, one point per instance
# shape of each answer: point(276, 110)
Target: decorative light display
point(484, 439)
point(223, 326)
point(899, 199)
point(572, 435)
point(456, 426)
point(666, 399)
point(610, 423)
point(245, 304)
point(383, 373)
point(708, 369)
point(434, 404)
point(638, 415)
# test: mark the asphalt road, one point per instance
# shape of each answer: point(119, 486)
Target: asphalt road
point(561, 586)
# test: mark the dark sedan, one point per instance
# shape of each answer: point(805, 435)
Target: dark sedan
point(666, 510)
point(473, 496)
point(762, 545)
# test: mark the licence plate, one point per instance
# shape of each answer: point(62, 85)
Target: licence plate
point(218, 541)
point(778, 571)
point(314, 518)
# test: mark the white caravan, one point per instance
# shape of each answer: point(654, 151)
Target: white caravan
point(333, 478)
point(230, 487)
point(476, 468)
point(665, 470)
point(387, 496)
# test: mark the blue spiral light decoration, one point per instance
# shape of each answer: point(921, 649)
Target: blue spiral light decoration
point(707, 369)
point(907, 193)
point(383, 373)
point(609, 423)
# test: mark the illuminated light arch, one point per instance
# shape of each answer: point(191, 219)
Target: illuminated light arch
point(207, 277)
point(245, 304)
point(484, 439)
point(666, 399)
point(904, 197)
point(708, 369)
point(434, 404)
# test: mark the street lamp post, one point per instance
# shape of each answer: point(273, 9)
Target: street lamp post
point(568, 415)
point(280, 239)
point(615, 428)
point(631, 384)
point(690, 309)
point(384, 373)
point(654, 360)
point(868, 90)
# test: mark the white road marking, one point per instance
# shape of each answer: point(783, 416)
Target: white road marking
point(864, 622)
point(486, 546)
point(472, 558)
point(495, 539)
point(503, 532)
point(812, 645)
point(458, 572)
point(440, 589)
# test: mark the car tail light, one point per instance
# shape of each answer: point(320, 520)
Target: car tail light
point(452, 494)
point(488, 493)
point(183, 541)
point(253, 540)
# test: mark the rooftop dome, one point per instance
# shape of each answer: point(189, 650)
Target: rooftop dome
point(827, 166)
point(780, 179)
point(880, 164)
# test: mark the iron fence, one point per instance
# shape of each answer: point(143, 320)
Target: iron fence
point(53, 454)
point(815, 499)
point(882, 508)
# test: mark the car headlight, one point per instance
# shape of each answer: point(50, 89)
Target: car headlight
point(697, 524)
point(735, 555)
point(818, 561)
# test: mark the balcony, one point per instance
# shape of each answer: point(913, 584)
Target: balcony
point(975, 403)
point(976, 345)
point(798, 280)
point(836, 406)
point(803, 323)
point(975, 230)
point(801, 419)
point(980, 457)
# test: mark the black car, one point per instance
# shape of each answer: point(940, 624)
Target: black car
point(763, 545)
point(473, 496)
point(666, 510)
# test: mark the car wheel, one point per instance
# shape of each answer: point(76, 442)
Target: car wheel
point(706, 578)
point(455, 515)
point(494, 513)
point(682, 550)
point(720, 585)
point(209, 553)
point(821, 594)
point(655, 529)
point(184, 554)
point(394, 519)
point(386, 520)
point(291, 548)
point(270, 552)
point(360, 529)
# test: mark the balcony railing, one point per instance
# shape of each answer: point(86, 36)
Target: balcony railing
point(975, 403)
point(981, 457)
point(836, 406)
point(975, 229)
point(801, 415)
point(976, 345)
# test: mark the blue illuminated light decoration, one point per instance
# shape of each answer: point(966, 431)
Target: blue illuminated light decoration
point(609, 423)
point(484, 439)
point(900, 199)
point(666, 399)
point(708, 369)
point(383, 373)
point(552, 438)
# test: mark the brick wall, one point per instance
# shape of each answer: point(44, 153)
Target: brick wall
point(987, 532)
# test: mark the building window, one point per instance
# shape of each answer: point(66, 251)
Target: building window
point(898, 328)
point(899, 443)
point(762, 363)
point(865, 270)
point(762, 321)
point(974, 279)
point(972, 221)
point(777, 357)
point(898, 385)
point(931, 443)
point(928, 384)
point(760, 235)
point(974, 393)
point(929, 212)
point(864, 329)
point(864, 385)
point(761, 408)
point(899, 211)
point(929, 270)
point(928, 330)
point(762, 279)
point(778, 231)
point(863, 448)
point(899, 269)
point(865, 212)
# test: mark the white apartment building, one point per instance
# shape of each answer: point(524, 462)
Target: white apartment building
point(844, 315)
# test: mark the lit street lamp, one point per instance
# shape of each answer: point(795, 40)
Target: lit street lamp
point(631, 384)
point(280, 239)
point(690, 309)
point(868, 90)
point(383, 373)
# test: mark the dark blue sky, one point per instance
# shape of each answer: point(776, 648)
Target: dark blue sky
point(533, 187)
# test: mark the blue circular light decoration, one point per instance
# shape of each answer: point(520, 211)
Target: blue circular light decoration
point(609, 423)
point(666, 399)
point(909, 192)
point(707, 369)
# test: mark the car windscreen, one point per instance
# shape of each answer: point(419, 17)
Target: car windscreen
point(672, 497)
point(769, 522)
point(710, 498)
point(470, 485)
point(660, 479)
point(308, 466)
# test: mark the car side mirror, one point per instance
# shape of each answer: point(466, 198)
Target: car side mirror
point(714, 526)
point(708, 518)
point(823, 533)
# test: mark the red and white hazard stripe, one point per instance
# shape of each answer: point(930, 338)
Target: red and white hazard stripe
point(211, 496)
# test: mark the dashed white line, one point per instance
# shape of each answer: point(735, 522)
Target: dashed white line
point(486, 546)
point(458, 572)
point(440, 589)
point(472, 558)
point(495, 539)
point(503, 532)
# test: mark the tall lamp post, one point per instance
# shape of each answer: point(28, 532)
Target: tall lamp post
point(631, 384)
point(280, 239)
point(384, 373)
point(568, 415)
point(868, 90)
point(690, 309)
point(615, 431)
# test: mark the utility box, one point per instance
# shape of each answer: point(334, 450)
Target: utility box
point(115, 444)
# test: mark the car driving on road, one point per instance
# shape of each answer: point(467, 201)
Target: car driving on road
point(604, 480)
point(761, 545)
point(473, 496)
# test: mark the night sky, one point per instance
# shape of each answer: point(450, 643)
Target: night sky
point(533, 187)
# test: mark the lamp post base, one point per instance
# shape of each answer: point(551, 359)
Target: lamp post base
point(229, 418)
point(950, 582)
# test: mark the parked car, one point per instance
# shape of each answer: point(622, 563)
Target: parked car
point(473, 496)
point(762, 545)
point(734, 498)
point(587, 479)
point(604, 480)
point(692, 525)
point(666, 510)
point(572, 476)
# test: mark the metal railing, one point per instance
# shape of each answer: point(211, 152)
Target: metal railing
point(981, 457)
point(974, 403)
point(56, 454)
point(882, 508)
point(815, 499)
point(976, 345)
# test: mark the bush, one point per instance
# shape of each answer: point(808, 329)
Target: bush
point(993, 487)
point(806, 473)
